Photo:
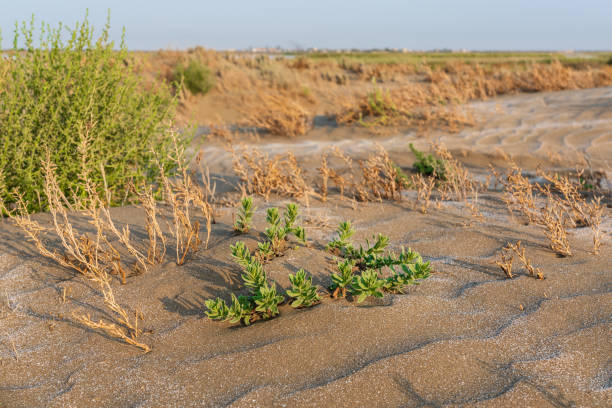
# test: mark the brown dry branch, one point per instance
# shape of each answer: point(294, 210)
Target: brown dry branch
point(380, 176)
point(519, 194)
point(424, 186)
point(553, 219)
point(263, 175)
point(181, 194)
point(278, 114)
point(505, 260)
point(157, 241)
point(519, 250)
point(124, 328)
point(458, 183)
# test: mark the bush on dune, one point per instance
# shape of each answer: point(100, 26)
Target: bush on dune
point(70, 87)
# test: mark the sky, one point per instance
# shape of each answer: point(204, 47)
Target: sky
point(338, 24)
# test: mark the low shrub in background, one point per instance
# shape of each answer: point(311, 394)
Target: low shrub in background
point(66, 88)
point(195, 76)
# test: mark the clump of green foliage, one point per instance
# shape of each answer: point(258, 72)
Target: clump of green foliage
point(428, 165)
point(278, 230)
point(342, 281)
point(245, 216)
point(406, 268)
point(195, 76)
point(57, 92)
point(379, 107)
point(263, 299)
point(302, 290)
point(367, 284)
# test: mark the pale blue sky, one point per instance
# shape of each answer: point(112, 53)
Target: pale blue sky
point(422, 24)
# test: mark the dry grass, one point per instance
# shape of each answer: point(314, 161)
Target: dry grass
point(278, 114)
point(124, 327)
point(506, 258)
point(519, 250)
point(381, 176)
point(263, 175)
point(458, 183)
point(280, 95)
point(564, 206)
point(424, 186)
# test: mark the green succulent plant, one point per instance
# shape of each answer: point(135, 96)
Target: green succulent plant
point(264, 251)
point(254, 276)
point(245, 215)
point(342, 280)
point(241, 254)
point(291, 213)
point(300, 234)
point(267, 300)
point(345, 232)
point(367, 284)
point(217, 309)
point(241, 310)
point(277, 233)
point(302, 290)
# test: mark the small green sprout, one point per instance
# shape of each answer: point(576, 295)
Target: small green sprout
point(291, 213)
point(300, 234)
point(277, 234)
point(367, 284)
point(254, 276)
point(342, 280)
point(302, 291)
point(345, 232)
point(245, 215)
point(241, 254)
point(264, 251)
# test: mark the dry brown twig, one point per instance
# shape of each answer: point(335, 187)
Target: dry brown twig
point(505, 261)
point(263, 175)
point(519, 250)
point(124, 328)
point(424, 186)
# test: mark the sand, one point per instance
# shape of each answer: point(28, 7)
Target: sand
point(467, 336)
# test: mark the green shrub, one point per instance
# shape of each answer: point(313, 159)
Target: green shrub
point(428, 165)
point(54, 95)
point(195, 76)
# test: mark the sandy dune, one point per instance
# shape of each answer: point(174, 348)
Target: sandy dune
point(464, 337)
